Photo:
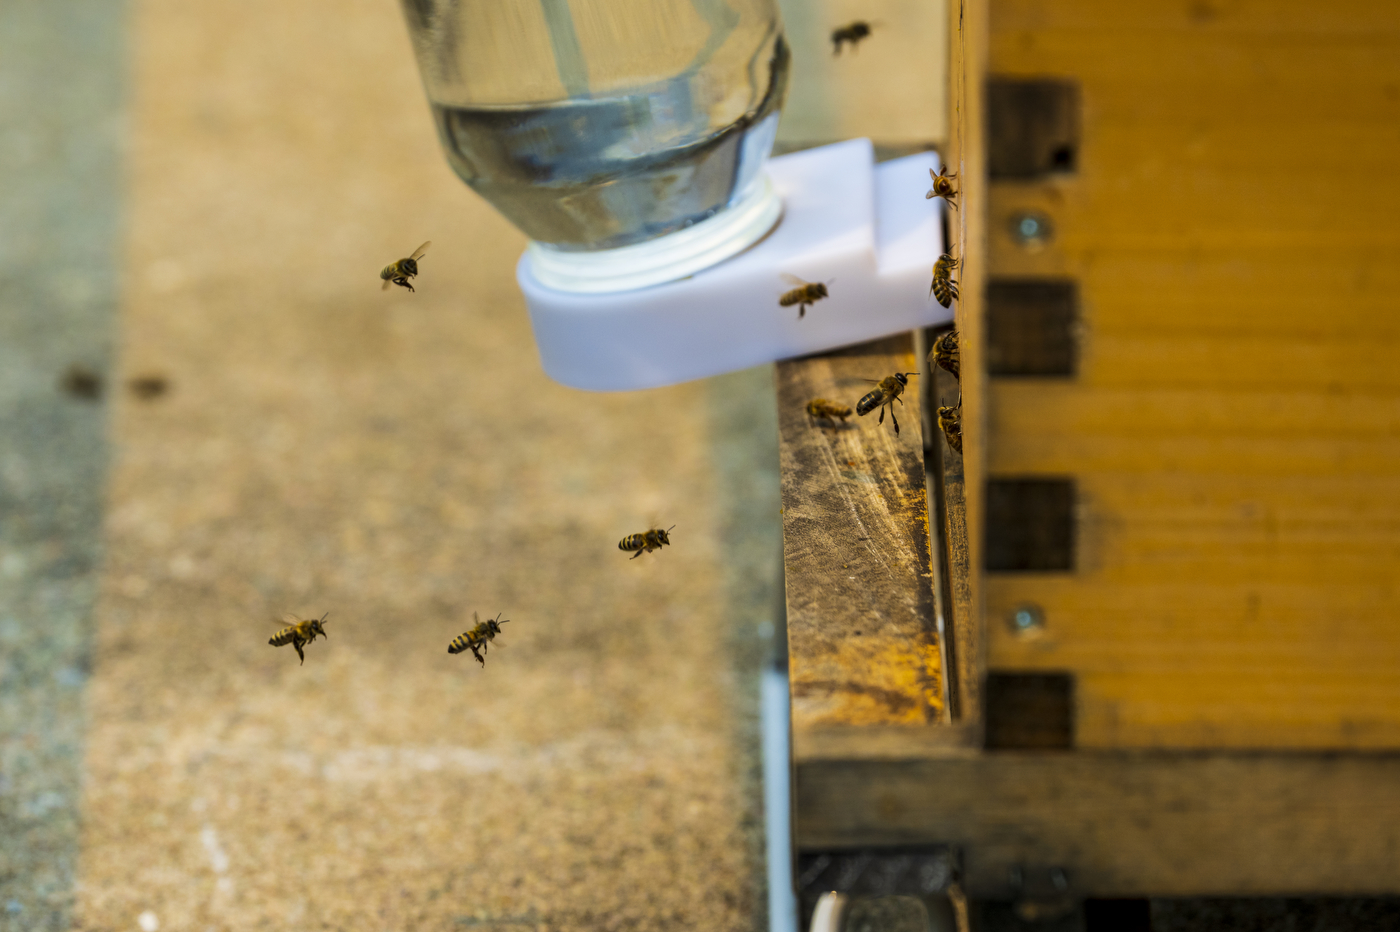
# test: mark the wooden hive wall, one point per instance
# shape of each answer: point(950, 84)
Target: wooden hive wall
point(1233, 429)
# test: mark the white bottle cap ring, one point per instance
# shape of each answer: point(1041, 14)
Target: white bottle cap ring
point(664, 259)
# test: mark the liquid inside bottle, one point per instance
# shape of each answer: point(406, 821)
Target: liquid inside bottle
point(665, 120)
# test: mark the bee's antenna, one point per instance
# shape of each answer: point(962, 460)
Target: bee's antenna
point(670, 529)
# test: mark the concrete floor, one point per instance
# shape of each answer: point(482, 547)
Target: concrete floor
point(397, 460)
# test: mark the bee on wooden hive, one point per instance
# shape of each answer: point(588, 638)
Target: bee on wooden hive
point(477, 639)
point(945, 353)
point(819, 409)
point(301, 633)
point(852, 33)
point(887, 392)
point(804, 294)
point(950, 422)
point(400, 272)
point(943, 186)
point(645, 542)
point(943, 287)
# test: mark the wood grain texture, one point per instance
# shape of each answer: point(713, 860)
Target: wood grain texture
point(964, 476)
point(1234, 427)
point(862, 644)
point(1126, 824)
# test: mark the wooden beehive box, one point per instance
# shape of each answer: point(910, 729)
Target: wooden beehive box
point(1165, 568)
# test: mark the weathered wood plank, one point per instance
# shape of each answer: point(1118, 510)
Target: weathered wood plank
point(963, 475)
point(1125, 825)
point(863, 647)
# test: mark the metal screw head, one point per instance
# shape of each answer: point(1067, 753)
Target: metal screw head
point(1026, 619)
point(1031, 230)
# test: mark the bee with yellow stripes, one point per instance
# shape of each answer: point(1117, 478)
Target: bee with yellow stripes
point(477, 639)
point(645, 542)
point(301, 633)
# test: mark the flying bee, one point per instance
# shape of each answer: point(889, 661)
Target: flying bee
point(804, 294)
point(400, 272)
point(645, 542)
point(943, 186)
point(943, 287)
point(822, 410)
point(300, 634)
point(851, 33)
point(950, 422)
point(945, 353)
point(477, 639)
point(887, 392)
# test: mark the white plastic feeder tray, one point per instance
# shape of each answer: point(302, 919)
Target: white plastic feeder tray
point(865, 228)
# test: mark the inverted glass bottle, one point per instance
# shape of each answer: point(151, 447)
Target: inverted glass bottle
point(599, 124)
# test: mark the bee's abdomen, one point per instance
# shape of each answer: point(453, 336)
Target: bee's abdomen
point(460, 643)
point(285, 636)
point(944, 291)
point(632, 542)
point(388, 272)
point(789, 299)
point(870, 402)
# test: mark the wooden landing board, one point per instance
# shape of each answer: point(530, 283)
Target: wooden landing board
point(1151, 824)
point(863, 649)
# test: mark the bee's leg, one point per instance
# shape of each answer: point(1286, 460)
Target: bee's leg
point(882, 414)
point(895, 420)
point(801, 311)
point(638, 554)
point(300, 652)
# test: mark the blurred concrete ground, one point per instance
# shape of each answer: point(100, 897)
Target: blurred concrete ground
point(398, 460)
point(61, 96)
point(205, 193)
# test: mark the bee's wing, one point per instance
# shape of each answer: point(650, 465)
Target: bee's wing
point(794, 280)
point(386, 285)
point(420, 250)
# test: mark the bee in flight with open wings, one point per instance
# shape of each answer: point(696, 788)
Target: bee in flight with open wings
point(477, 639)
point(887, 392)
point(646, 541)
point(803, 294)
point(400, 272)
point(301, 632)
point(852, 33)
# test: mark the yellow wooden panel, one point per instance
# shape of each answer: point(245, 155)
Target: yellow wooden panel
point(1234, 428)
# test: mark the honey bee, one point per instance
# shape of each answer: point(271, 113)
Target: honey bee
point(400, 272)
point(945, 353)
point(943, 287)
point(804, 294)
point(822, 410)
point(851, 33)
point(950, 422)
point(645, 542)
point(943, 186)
point(299, 634)
point(887, 392)
point(477, 639)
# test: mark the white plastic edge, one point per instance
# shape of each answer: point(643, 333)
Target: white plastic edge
point(665, 259)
